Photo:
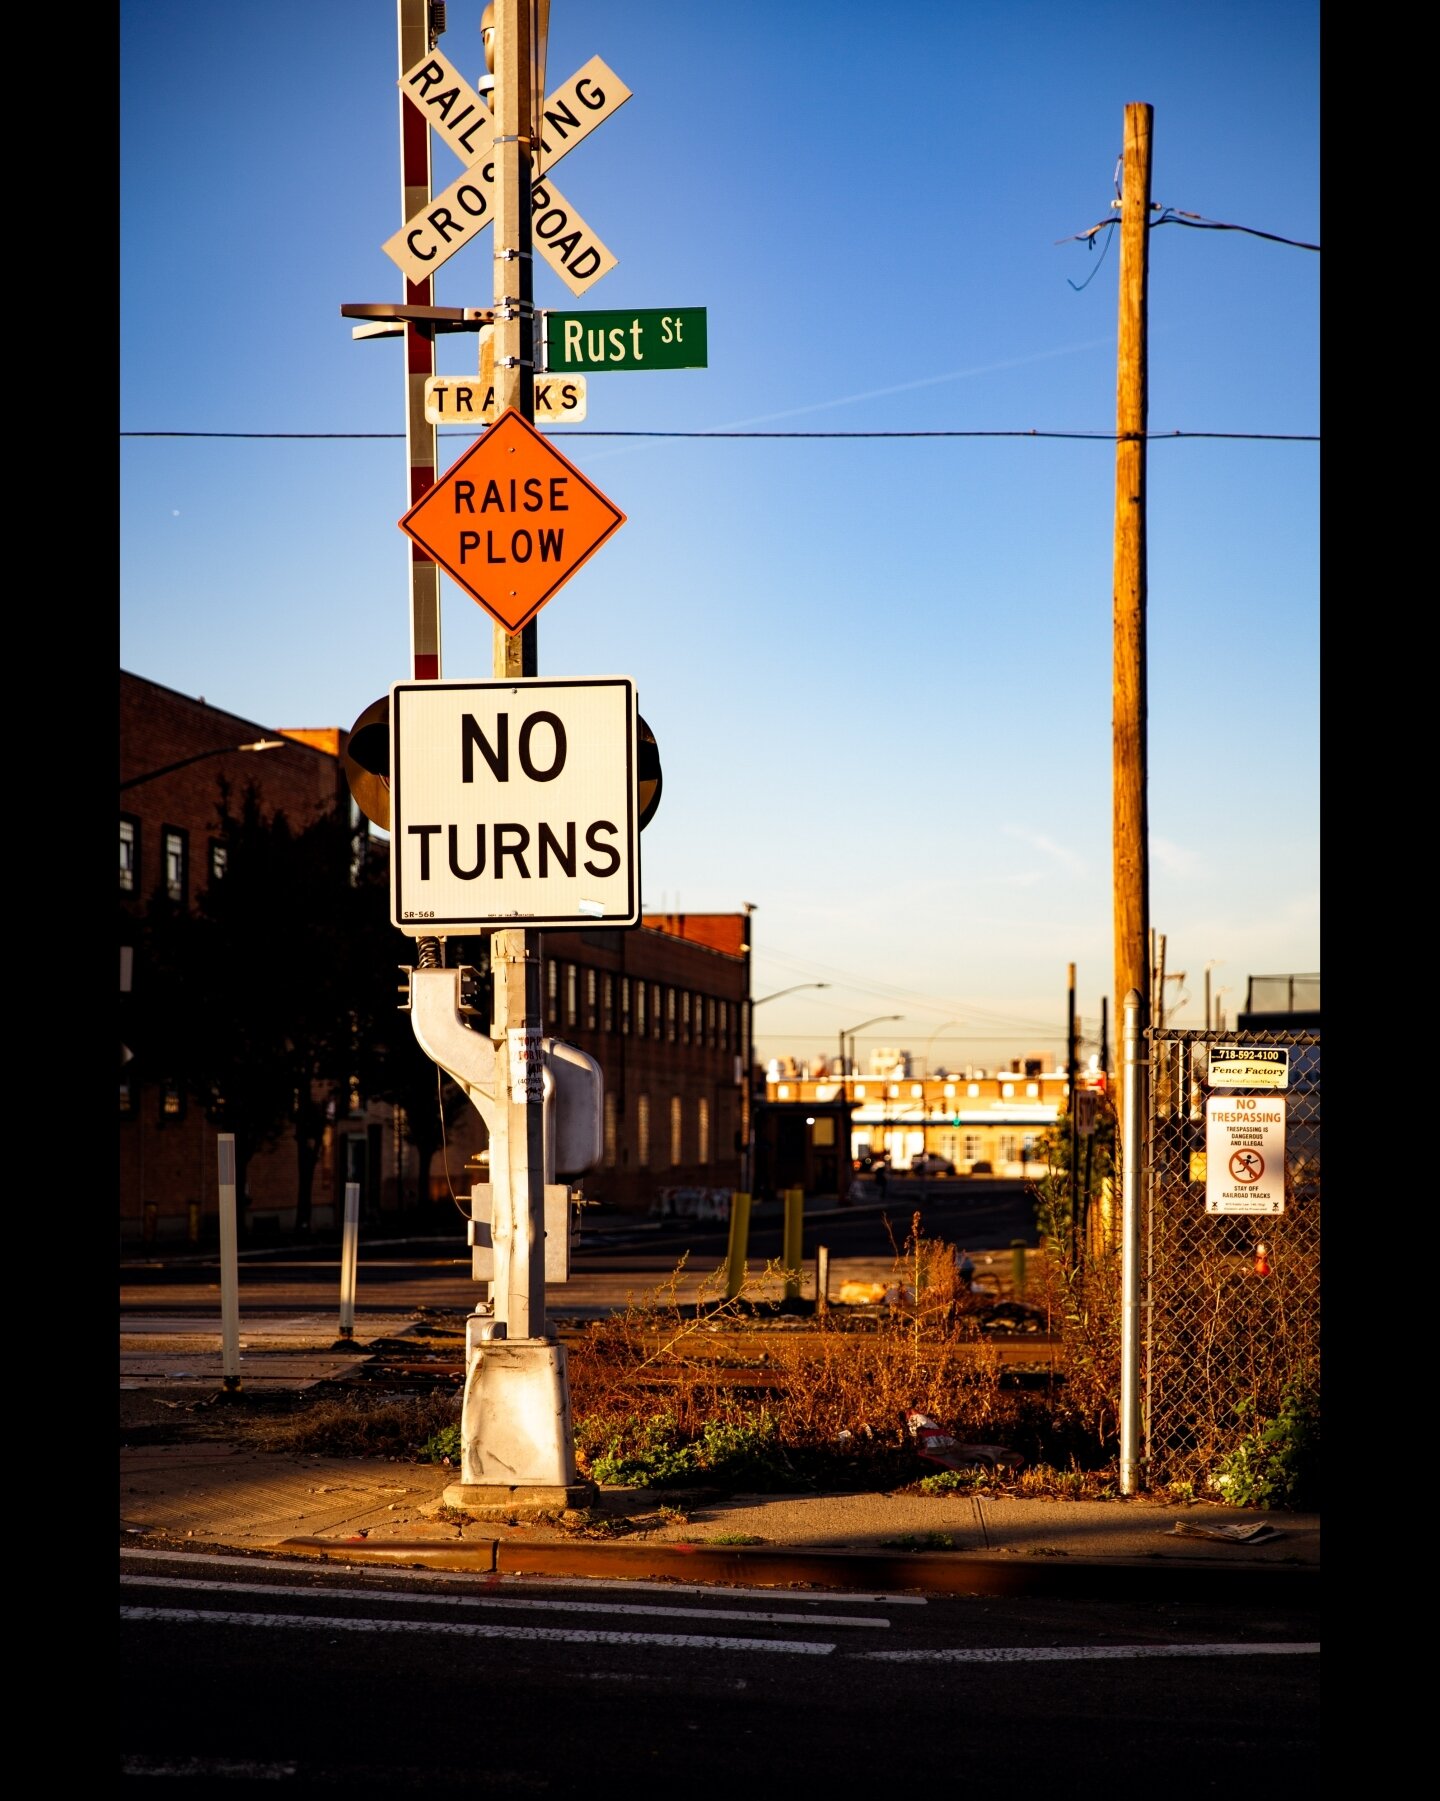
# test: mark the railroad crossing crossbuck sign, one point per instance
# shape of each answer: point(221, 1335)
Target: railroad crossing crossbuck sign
point(512, 520)
point(461, 118)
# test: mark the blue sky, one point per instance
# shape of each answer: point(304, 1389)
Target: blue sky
point(878, 668)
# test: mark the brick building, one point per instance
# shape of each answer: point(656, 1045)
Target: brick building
point(661, 1007)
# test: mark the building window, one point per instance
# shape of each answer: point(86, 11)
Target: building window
point(610, 1128)
point(670, 1015)
point(175, 872)
point(129, 855)
point(607, 994)
point(642, 1130)
point(641, 989)
point(859, 1091)
point(916, 1091)
point(677, 1130)
point(972, 1089)
point(949, 1091)
point(685, 1017)
point(172, 1102)
point(624, 1006)
point(590, 986)
point(127, 1099)
point(724, 1039)
point(552, 992)
point(1008, 1147)
point(657, 1018)
point(702, 1130)
point(572, 1008)
point(972, 1147)
point(1032, 1088)
point(1007, 1091)
point(219, 859)
point(712, 1034)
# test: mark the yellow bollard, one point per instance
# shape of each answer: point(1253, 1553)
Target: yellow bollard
point(793, 1240)
point(739, 1243)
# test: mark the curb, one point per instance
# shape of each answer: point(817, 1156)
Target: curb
point(1000, 1573)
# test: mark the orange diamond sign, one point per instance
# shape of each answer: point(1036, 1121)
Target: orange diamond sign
point(512, 520)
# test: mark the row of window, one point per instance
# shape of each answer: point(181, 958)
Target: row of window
point(645, 1148)
point(172, 1109)
point(175, 858)
point(596, 1000)
point(891, 1091)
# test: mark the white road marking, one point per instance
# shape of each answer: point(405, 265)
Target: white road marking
point(496, 1579)
point(232, 1768)
point(606, 1607)
point(1085, 1653)
point(555, 1635)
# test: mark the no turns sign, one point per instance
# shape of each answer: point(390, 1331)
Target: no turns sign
point(513, 804)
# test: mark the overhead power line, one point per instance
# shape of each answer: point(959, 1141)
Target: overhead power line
point(1101, 437)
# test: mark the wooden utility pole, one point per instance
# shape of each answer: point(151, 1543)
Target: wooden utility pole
point(1131, 830)
point(1072, 1073)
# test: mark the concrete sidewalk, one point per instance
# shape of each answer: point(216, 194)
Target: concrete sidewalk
point(215, 1495)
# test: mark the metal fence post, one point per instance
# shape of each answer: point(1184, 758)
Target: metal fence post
point(1132, 1091)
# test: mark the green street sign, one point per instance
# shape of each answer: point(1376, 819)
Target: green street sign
point(617, 340)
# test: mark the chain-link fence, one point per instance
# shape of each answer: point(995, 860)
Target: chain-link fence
point(1231, 1272)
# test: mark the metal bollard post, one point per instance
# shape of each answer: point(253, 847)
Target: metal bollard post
point(229, 1265)
point(822, 1278)
point(793, 1240)
point(349, 1249)
point(739, 1242)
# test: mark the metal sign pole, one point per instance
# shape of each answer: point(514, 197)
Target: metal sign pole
point(516, 1441)
point(515, 956)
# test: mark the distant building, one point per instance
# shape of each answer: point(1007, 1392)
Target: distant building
point(993, 1120)
point(1281, 1004)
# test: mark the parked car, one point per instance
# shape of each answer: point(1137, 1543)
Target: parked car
point(981, 1169)
point(927, 1163)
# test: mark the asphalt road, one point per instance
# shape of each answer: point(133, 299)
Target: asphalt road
point(397, 1272)
point(240, 1673)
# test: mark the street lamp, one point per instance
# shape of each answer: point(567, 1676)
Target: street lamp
point(1208, 967)
point(750, 1007)
point(879, 1019)
point(933, 1036)
point(220, 750)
